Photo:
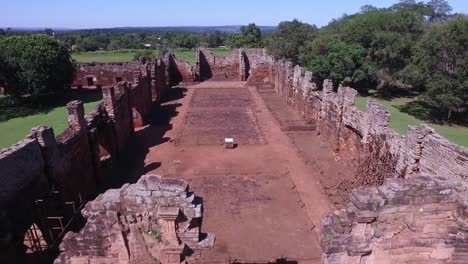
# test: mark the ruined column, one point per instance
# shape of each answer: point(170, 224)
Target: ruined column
point(76, 116)
point(108, 97)
point(242, 66)
point(153, 79)
point(169, 216)
point(378, 118)
point(136, 77)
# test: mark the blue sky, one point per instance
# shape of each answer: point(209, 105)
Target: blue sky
point(114, 13)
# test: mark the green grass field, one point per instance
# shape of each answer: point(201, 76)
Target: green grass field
point(16, 122)
point(400, 121)
point(108, 56)
point(128, 55)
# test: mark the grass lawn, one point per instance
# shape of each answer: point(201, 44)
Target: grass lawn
point(400, 121)
point(128, 55)
point(16, 122)
point(186, 54)
point(108, 56)
point(190, 55)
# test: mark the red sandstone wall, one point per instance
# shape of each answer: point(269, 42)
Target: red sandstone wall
point(105, 74)
point(79, 161)
point(181, 71)
point(221, 68)
point(365, 137)
point(258, 65)
point(140, 97)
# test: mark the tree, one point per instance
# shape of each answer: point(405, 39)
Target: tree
point(440, 10)
point(289, 37)
point(442, 60)
point(35, 65)
point(336, 60)
point(216, 39)
point(49, 32)
point(250, 37)
point(368, 8)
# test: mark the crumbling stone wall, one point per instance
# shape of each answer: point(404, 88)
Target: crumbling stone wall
point(180, 70)
point(258, 65)
point(159, 79)
point(419, 220)
point(221, 68)
point(74, 178)
point(352, 134)
point(74, 165)
point(101, 74)
point(405, 217)
point(24, 165)
point(153, 219)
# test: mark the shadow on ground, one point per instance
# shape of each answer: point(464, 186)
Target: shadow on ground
point(426, 112)
point(132, 164)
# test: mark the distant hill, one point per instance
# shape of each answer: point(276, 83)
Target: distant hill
point(194, 29)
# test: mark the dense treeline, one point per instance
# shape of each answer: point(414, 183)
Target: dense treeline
point(408, 47)
point(93, 40)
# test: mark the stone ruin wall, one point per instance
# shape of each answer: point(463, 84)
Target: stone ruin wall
point(361, 139)
point(121, 224)
point(81, 160)
point(349, 131)
point(181, 70)
point(105, 73)
point(257, 66)
point(219, 68)
point(395, 214)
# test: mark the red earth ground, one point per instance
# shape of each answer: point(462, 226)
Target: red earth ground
point(263, 200)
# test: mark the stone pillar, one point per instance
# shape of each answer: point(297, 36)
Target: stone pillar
point(76, 117)
point(169, 216)
point(136, 77)
point(153, 79)
point(242, 66)
point(327, 87)
point(121, 88)
point(108, 97)
point(167, 73)
point(377, 118)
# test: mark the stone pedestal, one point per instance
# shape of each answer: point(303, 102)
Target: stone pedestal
point(169, 225)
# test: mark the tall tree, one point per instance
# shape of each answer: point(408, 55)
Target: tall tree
point(442, 60)
point(440, 10)
point(250, 37)
point(288, 37)
point(35, 65)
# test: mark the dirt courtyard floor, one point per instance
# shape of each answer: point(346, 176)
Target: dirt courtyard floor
point(262, 199)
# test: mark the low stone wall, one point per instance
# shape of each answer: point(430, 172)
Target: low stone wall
point(153, 219)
